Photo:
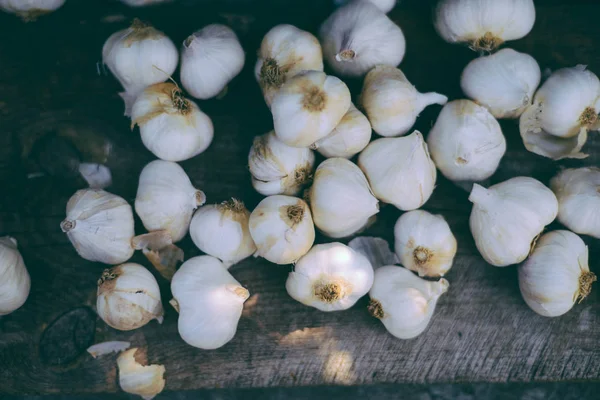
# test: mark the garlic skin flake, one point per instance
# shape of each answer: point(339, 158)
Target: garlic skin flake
point(29, 10)
point(101, 349)
point(557, 274)
point(15, 283)
point(143, 380)
point(392, 103)
point(507, 218)
point(330, 277)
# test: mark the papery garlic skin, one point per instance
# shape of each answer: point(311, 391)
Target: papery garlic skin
point(392, 103)
point(330, 277)
point(30, 9)
point(507, 217)
point(557, 274)
point(143, 380)
point(15, 283)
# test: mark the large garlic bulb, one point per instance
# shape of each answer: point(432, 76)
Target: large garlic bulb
point(143, 380)
point(30, 9)
point(15, 282)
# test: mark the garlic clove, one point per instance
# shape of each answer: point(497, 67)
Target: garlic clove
point(143, 380)
point(30, 10)
point(15, 283)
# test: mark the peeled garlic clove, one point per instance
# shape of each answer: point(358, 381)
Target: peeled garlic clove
point(15, 283)
point(507, 218)
point(330, 277)
point(399, 170)
point(466, 142)
point(404, 302)
point(31, 9)
point(144, 380)
point(392, 103)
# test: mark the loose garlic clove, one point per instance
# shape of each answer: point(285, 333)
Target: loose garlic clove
point(507, 218)
point(399, 170)
point(557, 274)
point(282, 229)
point(143, 380)
point(31, 9)
point(330, 277)
point(15, 283)
point(392, 103)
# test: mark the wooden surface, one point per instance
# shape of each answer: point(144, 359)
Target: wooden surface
point(49, 87)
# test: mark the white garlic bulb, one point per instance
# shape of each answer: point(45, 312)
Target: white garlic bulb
point(141, 3)
point(466, 142)
point(277, 168)
point(15, 283)
point(330, 277)
point(221, 230)
point(284, 52)
point(144, 380)
point(404, 302)
point(172, 127)
point(308, 107)
point(399, 170)
point(282, 229)
point(209, 301)
point(341, 199)
point(564, 109)
point(30, 9)
point(392, 103)
point(503, 82)
point(486, 24)
point(128, 297)
point(557, 274)
point(210, 59)
point(359, 36)
point(424, 243)
point(384, 5)
point(166, 198)
point(507, 218)
point(578, 194)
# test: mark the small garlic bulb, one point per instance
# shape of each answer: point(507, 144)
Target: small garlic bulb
point(308, 107)
point(341, 199)
point(128, 297)
point(210, 59)
point(330, 277)
point(359, 36)
point(466, 142)
point(503, 82)
point(507, 218)
point(144, 380)
point(166, 198)
point(399, 170)
point(30, 9)
point(15, 283)
point(221, 230)
point(209, 301)
point(392, 103)
point(282, 229)
point(172, 127)
point(424, 243)
point(284, 52)
point(277, 168)
point(578, 194)
point(404, 302)
point(557, 274)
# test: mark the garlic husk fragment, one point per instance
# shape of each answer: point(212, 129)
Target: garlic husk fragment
point(143, 380)
point(557, 274)
point(404, 302)
point(507, 218)
point(29, 10)
point(392, 103)
point(503, 82)
point(101, 349)
point(159, 249)
point(15, 283)
point(209, 301)
point(330, 277)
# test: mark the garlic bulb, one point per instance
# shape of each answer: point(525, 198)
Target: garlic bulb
point(392, 103)
point(384, 5)
point(404, 302)
point(399, 170)
point(284, 52)
point(578, 194)
point(209, 301)
point(359, 36)
point(221, 230)
point(282, 229)
point(211, 57)
point(166, 198)
point(503, 82)
point(172, 127)
point(341, 199)
point(330, 277)
point(128, 297)
point(277, 168)
point(507, 218)
point(466, 142)
point(144, 380)
point(486, 24)
point(557, 274)
point(424, 243)
point(15, 282)
point(30, 9)
point(308, 107)
point(564, 109)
